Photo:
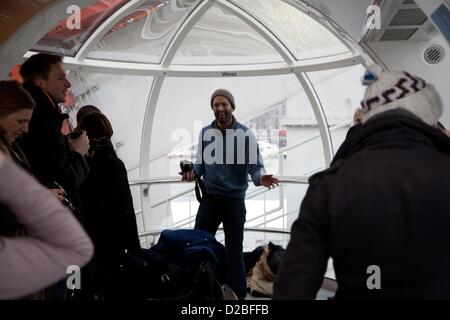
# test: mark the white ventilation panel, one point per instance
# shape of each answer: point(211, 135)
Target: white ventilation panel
point(401, 20)
point(408, 17)
point(397, 34)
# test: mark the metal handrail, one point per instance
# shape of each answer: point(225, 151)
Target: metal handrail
point(286, 179)
point(252, 219)
point(313, 137)
point(251, 229)
point(177, 195)
point(163, 180)
point(169, 180)
point(283, 179)
point(276, 218)
point(180, 194)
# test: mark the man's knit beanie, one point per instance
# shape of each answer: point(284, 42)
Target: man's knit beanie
point(224, 93)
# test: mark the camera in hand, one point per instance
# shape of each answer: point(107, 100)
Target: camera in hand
point(200, 189)
point(186, 166)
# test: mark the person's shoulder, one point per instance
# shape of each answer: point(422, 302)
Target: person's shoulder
point(113, 162)
point(317, 178)
point(241, 126)
point(37, 94)
point(209, 126)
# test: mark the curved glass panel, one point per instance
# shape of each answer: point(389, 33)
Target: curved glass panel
point(302, 35)
point(340, 91)
point(143, 35)
point(274, 107)
point(268, 105)
point(66, 38)
point(220, 38)
point(123, 100)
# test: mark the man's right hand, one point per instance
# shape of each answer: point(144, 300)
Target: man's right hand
point(188, 176)
point(80, 144)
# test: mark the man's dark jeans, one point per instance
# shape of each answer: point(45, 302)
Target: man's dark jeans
point(230, 212)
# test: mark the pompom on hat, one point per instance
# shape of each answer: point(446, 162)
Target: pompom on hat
point(399, 89)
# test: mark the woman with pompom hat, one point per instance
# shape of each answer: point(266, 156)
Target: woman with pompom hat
point(381, 211)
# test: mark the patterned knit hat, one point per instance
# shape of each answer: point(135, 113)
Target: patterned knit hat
point(224, 93)
point(399, 89)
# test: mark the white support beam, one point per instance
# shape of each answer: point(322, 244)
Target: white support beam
point(12, 51)
point(320, 116)
point(327, 23)
point(184, 29)
point(335, 28)
point(175, 42)
point(103, 29)
point(145, 142)
point(141, 69)
point(149, 117)
point(147, 125)
point(259, 28)
point(303, 79)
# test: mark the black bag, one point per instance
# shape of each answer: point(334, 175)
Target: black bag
point(147, 275)
point(205, 285)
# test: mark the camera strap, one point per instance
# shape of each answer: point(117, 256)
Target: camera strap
point(200, 189)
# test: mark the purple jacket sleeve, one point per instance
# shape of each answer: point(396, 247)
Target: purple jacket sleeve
point(54, 241)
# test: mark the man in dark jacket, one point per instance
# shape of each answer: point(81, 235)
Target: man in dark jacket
point(381, 211)
point(53, 157)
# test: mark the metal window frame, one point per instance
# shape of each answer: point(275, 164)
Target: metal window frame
point(164, 69)
point(103, 29)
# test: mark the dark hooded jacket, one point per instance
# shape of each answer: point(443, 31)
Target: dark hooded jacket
point(384, 202)
point(108, 208)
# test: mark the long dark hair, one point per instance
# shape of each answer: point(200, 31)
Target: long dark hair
point(13, 98)
point(99, 130)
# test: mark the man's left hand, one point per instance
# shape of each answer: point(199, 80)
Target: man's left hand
point(269, 181)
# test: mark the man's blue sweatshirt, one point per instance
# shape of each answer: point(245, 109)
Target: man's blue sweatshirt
point(225, 159)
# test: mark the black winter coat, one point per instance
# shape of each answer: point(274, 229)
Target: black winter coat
point(108, 209)
point(383, 202)
point(48, 151)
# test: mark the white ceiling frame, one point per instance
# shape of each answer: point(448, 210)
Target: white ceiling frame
point(150, 109)
point(31, 31)
point(103, 29)
point(325, 22)
point(322, 122)
point(328, 23)
point(145, 145)
point(174, 44)
point(259, 28)
point(79, 63)
point(141, 69)
point(183, 31)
